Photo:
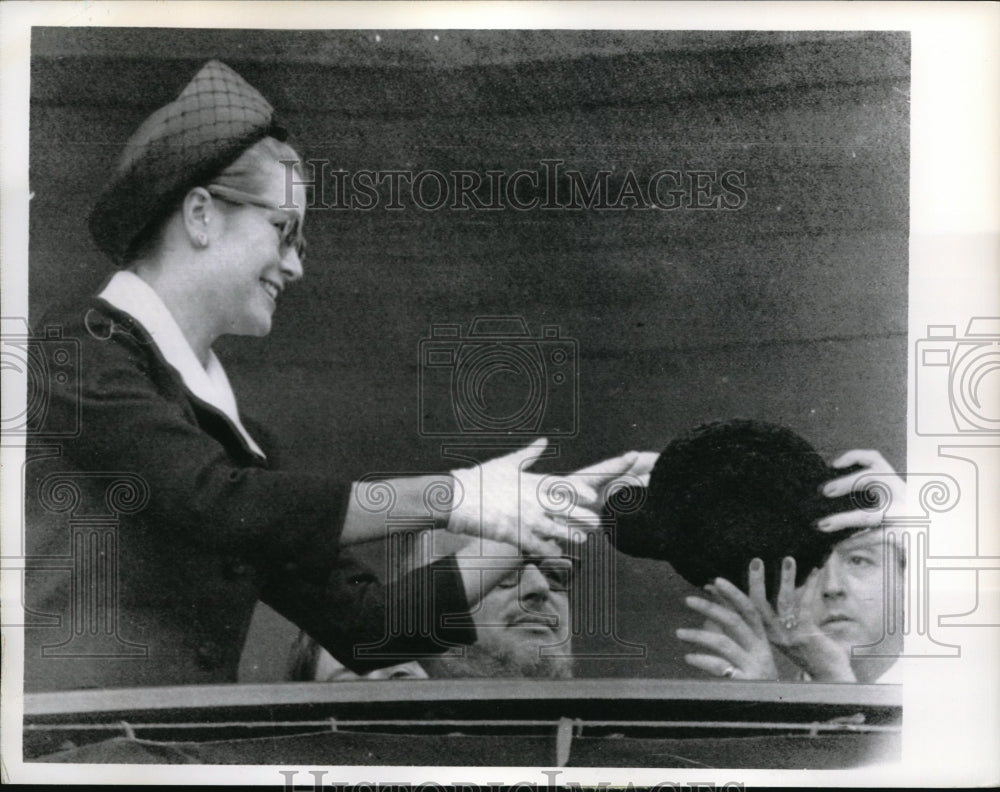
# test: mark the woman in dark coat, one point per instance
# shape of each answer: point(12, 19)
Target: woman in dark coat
point(155, 529)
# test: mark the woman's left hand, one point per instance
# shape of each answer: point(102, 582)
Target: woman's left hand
point(501, 500)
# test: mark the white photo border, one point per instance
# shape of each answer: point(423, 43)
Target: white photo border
point(949, 703)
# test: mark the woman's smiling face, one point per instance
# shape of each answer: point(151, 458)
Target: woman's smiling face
point(253, 263)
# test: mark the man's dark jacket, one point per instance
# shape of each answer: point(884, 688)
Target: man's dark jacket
point(152, 530)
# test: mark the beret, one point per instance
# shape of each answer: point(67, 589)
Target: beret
point(728, 492)
point(216, 117)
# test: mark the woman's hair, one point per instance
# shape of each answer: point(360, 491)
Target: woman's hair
point(249, 173)
point(730, 491)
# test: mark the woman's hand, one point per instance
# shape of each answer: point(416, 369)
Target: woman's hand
point(879, 488)
point(734, 639)
point(792, 629)
point(501, 500)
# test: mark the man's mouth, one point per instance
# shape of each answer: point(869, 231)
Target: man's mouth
point(537, 622)
point(273, 289)
point(836, 618)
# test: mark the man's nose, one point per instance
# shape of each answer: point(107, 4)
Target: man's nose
point(533, 582)
point(831, 578)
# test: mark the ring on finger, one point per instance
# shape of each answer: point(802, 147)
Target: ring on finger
point(729, 673)
point(790, 621)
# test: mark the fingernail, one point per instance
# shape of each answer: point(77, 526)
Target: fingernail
point(824, 525)
point(756, 565)
point(829, 490)
point(692, 602)
point(787, 563)
point(682, 633)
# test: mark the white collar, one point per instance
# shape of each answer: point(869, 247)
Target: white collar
point(128, 292)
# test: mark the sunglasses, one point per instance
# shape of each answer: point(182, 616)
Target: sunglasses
point(289, 233)
point(557, 571)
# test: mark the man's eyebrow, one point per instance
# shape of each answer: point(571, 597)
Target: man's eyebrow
point(865, 540)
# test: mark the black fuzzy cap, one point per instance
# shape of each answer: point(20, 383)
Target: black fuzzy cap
point(728, 492)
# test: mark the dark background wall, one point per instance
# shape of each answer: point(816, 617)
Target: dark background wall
point(791, 308)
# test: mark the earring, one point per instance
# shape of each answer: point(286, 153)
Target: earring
point(203, 240)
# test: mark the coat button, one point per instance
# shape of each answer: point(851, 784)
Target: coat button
point(235, 570)
point(209, 656)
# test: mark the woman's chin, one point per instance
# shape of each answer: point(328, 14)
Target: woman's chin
point(257, 326)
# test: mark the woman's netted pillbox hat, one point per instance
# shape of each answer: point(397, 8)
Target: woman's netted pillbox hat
point(214, 119)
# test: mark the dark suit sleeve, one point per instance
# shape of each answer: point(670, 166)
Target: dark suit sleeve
point(134, 416)
point(367, 624)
